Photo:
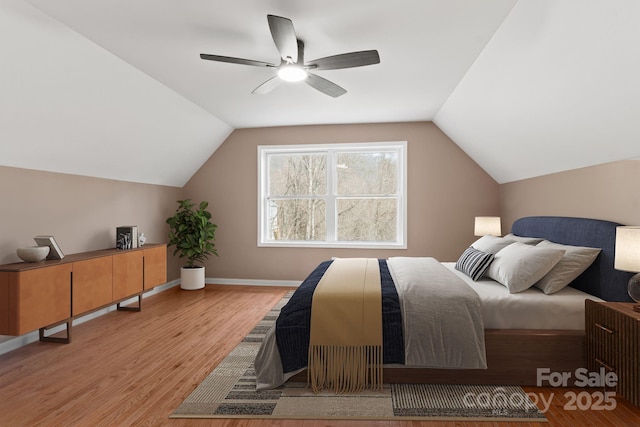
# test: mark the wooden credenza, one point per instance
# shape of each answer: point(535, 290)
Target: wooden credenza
point(613, 344)
point(38, 296)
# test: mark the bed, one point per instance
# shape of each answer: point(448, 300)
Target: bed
point(514, 349)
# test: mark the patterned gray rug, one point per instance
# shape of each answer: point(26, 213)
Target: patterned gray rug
point(229, 392)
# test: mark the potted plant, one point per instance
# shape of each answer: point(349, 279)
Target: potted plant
point(192, 233)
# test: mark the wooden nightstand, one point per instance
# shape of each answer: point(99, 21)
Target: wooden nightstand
point(613, 343)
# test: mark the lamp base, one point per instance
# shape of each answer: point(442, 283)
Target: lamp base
point(633, 287)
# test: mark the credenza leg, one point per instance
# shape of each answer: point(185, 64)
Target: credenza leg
point(62, 340)
point(138, 308)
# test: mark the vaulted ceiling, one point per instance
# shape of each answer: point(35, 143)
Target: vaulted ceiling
point(116, 88)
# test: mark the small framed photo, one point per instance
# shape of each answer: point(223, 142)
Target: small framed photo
point(54, 250)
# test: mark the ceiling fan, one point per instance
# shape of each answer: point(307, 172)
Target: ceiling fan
point(292, 66)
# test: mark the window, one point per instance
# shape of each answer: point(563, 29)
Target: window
point(333, 195)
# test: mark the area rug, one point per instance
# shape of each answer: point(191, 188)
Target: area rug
point(229, 392)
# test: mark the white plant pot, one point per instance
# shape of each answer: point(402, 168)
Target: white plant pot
point(192, 278)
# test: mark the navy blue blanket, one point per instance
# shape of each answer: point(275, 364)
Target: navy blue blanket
point(294, 323)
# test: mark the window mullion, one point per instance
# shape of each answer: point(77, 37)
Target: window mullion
point(330, 203)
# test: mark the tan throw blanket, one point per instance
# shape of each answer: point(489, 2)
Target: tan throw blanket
point(345, 348)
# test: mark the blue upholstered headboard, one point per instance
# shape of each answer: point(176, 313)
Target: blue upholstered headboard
point(601, 279)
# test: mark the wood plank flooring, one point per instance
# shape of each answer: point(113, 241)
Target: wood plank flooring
point(134, 369)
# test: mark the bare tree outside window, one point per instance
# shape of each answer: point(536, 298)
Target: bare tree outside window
point(294, 212)
point(367, 191)
point(341, 194)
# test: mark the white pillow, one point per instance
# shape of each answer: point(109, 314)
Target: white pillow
point(521, 239)
point(491, 244)
point(576, 259)
point(518, 266)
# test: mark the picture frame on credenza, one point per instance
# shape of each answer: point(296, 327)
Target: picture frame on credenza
point(54, 250)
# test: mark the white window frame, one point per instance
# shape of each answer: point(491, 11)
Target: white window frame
point(263, 227)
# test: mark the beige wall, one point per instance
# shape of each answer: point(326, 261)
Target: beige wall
point(446, 189)
point(609, 191)
point(82, 213)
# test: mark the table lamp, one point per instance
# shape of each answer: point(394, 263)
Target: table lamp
point(627, 258)
point(488, 226)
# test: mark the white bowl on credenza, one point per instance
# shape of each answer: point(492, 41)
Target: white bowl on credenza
point(33, 253)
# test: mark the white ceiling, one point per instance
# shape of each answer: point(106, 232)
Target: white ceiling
point(116, 88)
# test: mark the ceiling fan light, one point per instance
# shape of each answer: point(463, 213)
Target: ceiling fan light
point(292, 73)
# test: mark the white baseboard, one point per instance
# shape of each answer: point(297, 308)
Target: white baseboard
point(252, 282)
point(12, 343)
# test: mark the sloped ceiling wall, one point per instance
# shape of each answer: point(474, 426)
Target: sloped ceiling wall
point(69, 106)
point(557, 88)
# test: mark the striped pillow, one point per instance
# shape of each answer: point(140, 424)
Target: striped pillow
point(474, 263)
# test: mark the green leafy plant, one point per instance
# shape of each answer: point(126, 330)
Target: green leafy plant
point(192, 232)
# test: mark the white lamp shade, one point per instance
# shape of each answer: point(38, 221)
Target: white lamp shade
point(487, 226)
point(627, 249)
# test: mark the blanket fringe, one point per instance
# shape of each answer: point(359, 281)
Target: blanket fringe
point(345, 369)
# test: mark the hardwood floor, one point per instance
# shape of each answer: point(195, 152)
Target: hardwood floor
point(128, 368)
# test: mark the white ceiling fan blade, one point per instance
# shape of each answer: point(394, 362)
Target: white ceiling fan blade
point(233, 60)
point(284, 36)
point(267, 86)
point(346, 60)
point(325, 86)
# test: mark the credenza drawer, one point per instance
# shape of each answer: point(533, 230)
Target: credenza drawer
point(38, 297)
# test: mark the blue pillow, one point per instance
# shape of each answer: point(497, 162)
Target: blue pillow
point(474, 263)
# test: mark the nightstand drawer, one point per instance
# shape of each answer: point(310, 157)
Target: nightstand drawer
point(600, 355)
point(604, 325)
